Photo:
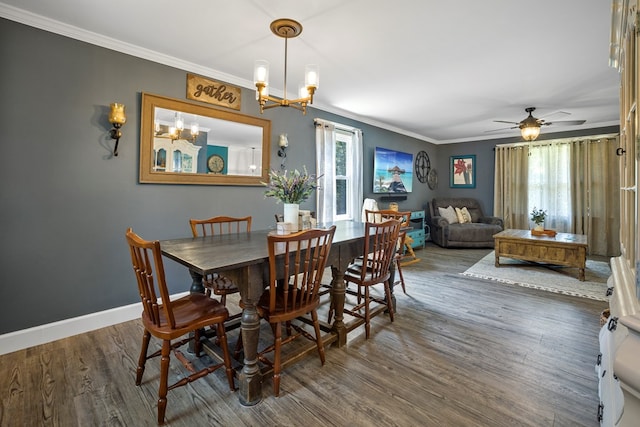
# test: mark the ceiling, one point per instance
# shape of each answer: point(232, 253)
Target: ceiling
point(440, 71)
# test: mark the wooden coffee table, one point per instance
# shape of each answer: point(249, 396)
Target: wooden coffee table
point(564, 249)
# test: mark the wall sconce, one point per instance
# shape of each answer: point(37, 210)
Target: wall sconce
point(283, 143)
point(117, 118)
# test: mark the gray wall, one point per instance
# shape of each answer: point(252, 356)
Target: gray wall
point(485, 158)
point(66, 202)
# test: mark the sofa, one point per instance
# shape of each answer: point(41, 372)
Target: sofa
point(478, 233)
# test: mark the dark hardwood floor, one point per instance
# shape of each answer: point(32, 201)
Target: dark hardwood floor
point(461, 352)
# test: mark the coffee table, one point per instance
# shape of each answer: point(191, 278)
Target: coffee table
point(564, 249)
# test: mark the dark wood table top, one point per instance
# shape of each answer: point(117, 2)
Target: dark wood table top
point(207, 254)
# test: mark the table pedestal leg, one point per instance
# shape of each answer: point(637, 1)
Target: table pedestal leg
point(250, 377)
point(338, 290)
point(196, 283)
point(196, 288)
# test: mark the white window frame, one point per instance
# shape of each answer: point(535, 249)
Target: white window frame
point(347, 138)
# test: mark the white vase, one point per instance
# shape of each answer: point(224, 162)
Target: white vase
point(291, 211)
point(539, 227)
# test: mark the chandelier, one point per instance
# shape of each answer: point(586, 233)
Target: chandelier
point(175, 132)
point(285, 28)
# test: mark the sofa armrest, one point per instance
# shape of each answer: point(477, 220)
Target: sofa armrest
point(493, 220)
point(439, 221)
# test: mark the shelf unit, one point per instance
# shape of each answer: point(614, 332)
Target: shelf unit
point(618, 366)
point(418, 232)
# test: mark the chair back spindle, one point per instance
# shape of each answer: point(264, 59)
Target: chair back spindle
point(301, 259)
point(220, 225)
point(146, 258)
point(380, 245)
point(219, 284)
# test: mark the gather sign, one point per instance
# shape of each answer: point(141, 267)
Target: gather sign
point(213, 92)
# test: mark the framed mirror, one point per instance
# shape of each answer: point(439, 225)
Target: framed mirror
point(187, 143)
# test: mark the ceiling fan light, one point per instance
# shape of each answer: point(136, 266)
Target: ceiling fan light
point(530, 133)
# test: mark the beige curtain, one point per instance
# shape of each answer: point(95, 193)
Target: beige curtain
point(511, 186)
point(595, 194)
point(594, 190)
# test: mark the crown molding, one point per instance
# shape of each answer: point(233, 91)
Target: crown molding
point(57, 27)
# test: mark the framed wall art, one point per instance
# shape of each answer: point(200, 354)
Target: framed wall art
point(462, 171)
point(393, 171)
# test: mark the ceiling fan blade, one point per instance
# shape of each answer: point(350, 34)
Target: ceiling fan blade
point(501, 129)
point(555, 113)
point(504, 121)
point(566, 123)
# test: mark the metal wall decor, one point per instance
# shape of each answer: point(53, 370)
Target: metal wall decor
point(422, 166)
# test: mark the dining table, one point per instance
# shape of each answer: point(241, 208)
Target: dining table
point(244, 258)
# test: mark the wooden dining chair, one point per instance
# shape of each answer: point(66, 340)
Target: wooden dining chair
point(169, 320)
point(379, 251)
point(404, 217)
point(296, 264)
point(216, 283)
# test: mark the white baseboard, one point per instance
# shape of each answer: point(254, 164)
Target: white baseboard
point(25, 338)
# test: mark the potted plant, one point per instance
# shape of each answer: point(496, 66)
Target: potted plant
point(538, 216)
point(291, 188)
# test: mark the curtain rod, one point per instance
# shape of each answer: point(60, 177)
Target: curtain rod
point(560, 140)
point(338, 126)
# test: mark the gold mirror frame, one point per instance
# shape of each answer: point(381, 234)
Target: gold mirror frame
point(148, 133)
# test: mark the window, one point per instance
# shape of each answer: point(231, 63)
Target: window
point(339, 163)
point(550, 183)
point(343, 176)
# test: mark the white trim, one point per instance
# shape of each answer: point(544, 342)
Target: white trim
point(42, 22)
point(25, 338)
point(57, 27)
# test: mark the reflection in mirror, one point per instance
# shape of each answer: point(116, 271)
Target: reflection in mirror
point(188, 143)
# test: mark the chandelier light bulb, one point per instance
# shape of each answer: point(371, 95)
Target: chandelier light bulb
point(312, 76)
point(303, 91)
point(179, 122)
point(261, 72)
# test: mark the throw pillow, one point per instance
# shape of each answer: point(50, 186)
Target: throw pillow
point(461, 217)
point(466, 214)
point(449, 214)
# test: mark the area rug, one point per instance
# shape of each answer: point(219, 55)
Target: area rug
point(561, 280)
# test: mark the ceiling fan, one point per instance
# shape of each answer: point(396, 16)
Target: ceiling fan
point(530, 126)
